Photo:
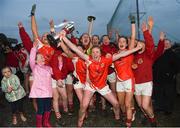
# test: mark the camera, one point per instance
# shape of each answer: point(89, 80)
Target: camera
point(54, 39)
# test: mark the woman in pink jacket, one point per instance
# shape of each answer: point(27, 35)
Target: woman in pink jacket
point(42, 86)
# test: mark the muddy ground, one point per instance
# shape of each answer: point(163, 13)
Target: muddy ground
point(95, 119)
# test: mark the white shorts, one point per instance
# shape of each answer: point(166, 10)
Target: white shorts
point(102, 91)
point(112, 77)
point(144, 89)
point(78, 85)
point(54, 83)
point(125, 86)
point(69, 79)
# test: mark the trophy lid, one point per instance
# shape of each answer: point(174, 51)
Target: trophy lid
point(63, 24)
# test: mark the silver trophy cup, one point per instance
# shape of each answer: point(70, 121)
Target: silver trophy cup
point(54, 39)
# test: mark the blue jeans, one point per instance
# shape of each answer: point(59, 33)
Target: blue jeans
point(44, 105)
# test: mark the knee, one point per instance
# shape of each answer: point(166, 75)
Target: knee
point(128, 105)
point(84, 107)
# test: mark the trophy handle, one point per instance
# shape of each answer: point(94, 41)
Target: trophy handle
point(90, 26)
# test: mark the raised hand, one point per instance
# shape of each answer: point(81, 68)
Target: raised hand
point(51, 23)
point(117, 32)
point(110, 33)
point(144, 27)
point(62, 34)
point(150, 21)
point(132, 19)
point(20, 25)
point(33, 9)
point(10, 89)
point(65, 20)
point(162, 35)
point(117, 35)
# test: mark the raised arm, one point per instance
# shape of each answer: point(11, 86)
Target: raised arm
point(32, 60)
point(150, 24)
point(51, 24)
point(110, 34)
point(133, 32)
point(66, 50)
point(160, 48)
point(149, 42)
point(117, 36)
point(33, 23)
point(61, 43)
point(26, 40)
point(133, 36)
point(126, 53)
point(73, 47)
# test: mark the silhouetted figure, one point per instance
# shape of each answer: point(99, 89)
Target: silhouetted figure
point(165, 70)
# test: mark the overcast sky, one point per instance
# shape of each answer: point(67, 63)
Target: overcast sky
point(12, 11)
point(166, 14)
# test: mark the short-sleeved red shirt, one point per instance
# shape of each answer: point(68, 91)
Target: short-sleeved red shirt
point(81, 68)
point(98, 71)
point(123, 67)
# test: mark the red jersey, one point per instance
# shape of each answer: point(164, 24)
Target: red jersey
point(26, 40)
point(11, 60)
point(58, 73)
point(98, 71)
point(47, 51)
point(68, 63)
point(108, 49)
point(144, 61)
point(123, 68)
point(23, 57)
point(80, 68)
